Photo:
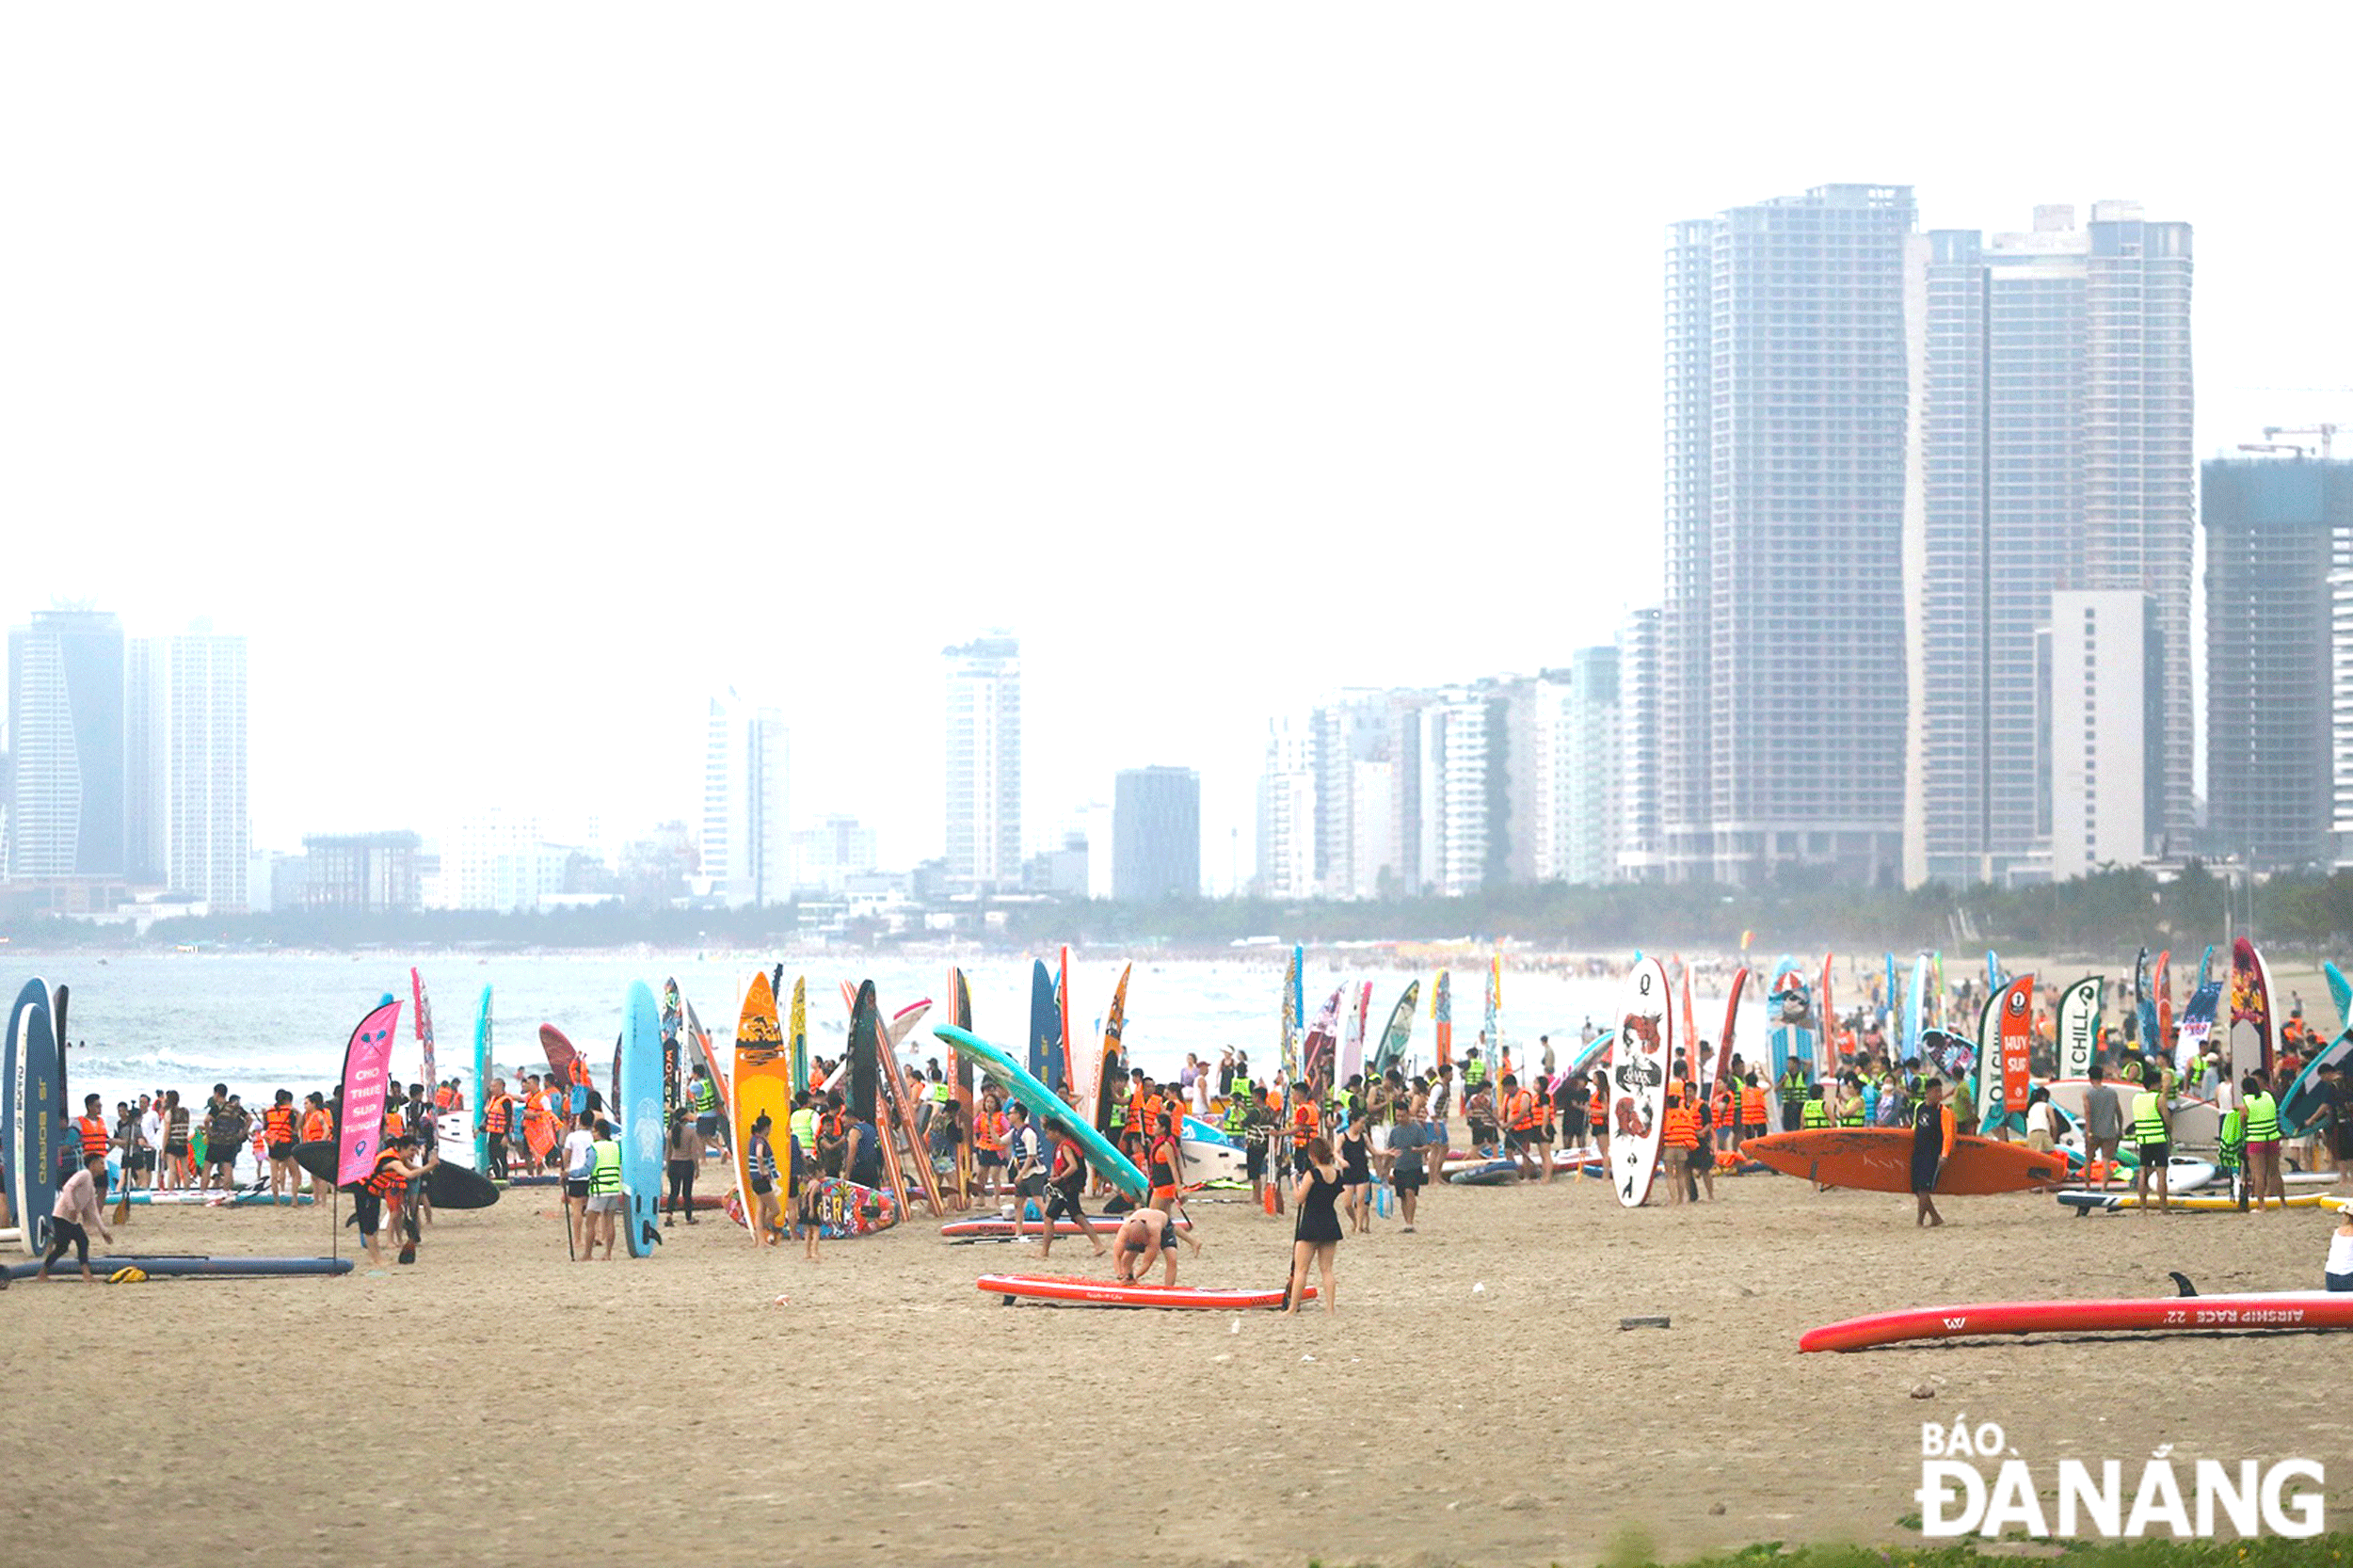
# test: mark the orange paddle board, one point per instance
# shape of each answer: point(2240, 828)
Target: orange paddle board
point(1879, 1159)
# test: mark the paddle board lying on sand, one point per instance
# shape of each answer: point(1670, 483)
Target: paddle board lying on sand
point(1105, 1225)
point(194, 1268)
point(1109, 1292)
point(2188, 1202)
point(1879, 1159)
point(845, 1209)
point(2286, 1309)
point(1495, 1173)
point(235, 1197)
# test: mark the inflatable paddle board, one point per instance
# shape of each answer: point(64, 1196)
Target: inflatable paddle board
point(482, 1076)
point(639, 1090)
point(1879, 1159)
point(446, 1186)
point(1112, 1165)
point(1637, 1081)
point(1111, 1292)
point(763, 1084)
point(1104, 1225)
point(2288, 1309)
point(2188, 1202)
point(191, 1268)
point(846, 1210)
point(36, 1083)
point(1492, 1173)
point(237, 1198)
point(2303, 1101)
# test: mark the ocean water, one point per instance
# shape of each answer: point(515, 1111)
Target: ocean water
point(260, 1023)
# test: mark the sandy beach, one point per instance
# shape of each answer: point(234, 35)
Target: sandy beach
point(499, 1403)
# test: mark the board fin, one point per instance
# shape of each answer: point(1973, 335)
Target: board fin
point(2181, 1281)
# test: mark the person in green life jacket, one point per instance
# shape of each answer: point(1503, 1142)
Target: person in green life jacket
point(604, 1190)
point(703, 1094)
point(1794, 1092)
point(1814, 1113)
point(2229, 1152)
point(1851, 1110)
point(2263, 1142)
point(1237, 1101)
point(2153, 1133)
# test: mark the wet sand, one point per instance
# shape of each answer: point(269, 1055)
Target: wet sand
point(497, 1403)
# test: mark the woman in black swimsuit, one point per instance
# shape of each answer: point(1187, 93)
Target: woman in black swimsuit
point(1356, 1173)
point(1318, 1235)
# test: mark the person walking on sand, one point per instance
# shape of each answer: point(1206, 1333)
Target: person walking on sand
point(2152, 1133)
point(759, 1160)
point(2263, 1142)
point(1356, 1175)
point(74, 1211)
point(1406, 1142)
point(1066, 1185)
point(686, 1152)
point(1932, 1145)
point(604, 1190)
point(1316, 1239)
point(580, 1162)
point(2104, 1124)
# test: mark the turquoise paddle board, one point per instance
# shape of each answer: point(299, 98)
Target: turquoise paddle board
point(1048, 1107)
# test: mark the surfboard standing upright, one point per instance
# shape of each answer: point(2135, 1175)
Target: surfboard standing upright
point(1637, 1081)
point(482, 1082)
point(763, 1087)
point(643, 1131)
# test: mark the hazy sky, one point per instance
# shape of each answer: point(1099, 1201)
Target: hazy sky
point(515, 376)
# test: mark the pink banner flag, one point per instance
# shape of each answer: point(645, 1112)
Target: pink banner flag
point(367, 1066)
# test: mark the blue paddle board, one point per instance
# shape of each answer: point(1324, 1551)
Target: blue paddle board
point(1044, 1022)
point(1048, 1107)
point(639, 1090)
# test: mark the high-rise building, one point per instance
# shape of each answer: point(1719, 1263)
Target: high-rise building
point(2341, 700)
point(983, 763)
point(186, 824)
point(66, 717)
point(1638, 780)
point(2276, 531)
point(837, 849)
point(2053, 454)
point(1156, 835)
point(1462, 827)
point(747, 841)
point(503, 860)
point(1789, 382)
point(2100, 707)
point(1560, 767)
point(1286, 815)
point(360, 872)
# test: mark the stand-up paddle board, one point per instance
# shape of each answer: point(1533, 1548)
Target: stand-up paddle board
point(481, 1106)
point(2188, 1202)
point(1637, 1081)
point(191, 1268)
point(35, 1125)
point(1879, 1159)
point(2289, 1309)
point(1114, 1167)
point(762, 1081)
point(1108, 1292)
point(846, 1210)
point(638, 1088)
point(1104, 1225)
point(446, 1185)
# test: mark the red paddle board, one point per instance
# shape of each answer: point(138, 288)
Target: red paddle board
point(2287, 1309)
point(967, 1230)
point(1109, 1292)
point(1879, 1159)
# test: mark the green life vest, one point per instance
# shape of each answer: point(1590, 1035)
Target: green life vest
point(803, 1124)
point(1792, 1082)
point(2232, 1142)
point(939, 1093)
point(2149, 1118)
point(706, 1096)
point(1475, 1072)
point(1238, 1105)
point(1850, 1112)
point(606, 1174)
point(1815, 1113)
point(2263, 1119)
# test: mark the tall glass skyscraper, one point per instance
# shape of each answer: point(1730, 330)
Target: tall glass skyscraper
point(65, 716)
point(1156, 835)
point(184, 737)
point(748, 835)
point(2054, 456)
point(983, 762)
point(1783, 655)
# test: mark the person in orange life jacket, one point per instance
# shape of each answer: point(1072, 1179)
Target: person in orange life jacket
point(1307, 1125)
point(1701, 1172)
point(1065, 1186)
point(1678, 1138)
point(90, 1131)
point(318, 1127)
point(381, 1190)
point(281, 1132)
point(988, 1144)
point(496, 1118)
point(1526, 1124)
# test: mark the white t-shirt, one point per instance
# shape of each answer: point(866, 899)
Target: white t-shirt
point(2040, 1118)
point(2340, 1252)
point(580, 1153)
point(152, 1130)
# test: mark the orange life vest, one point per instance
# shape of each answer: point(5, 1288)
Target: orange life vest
point(1682, 1127)
point(1751, 1107)
point(94, 1131)
point(382, 1181)
point(1522, 1109)
point(1306, 1124)
point(445, 1098)
point(1599, 1114)
point(316, 1125)
point(499, 1113)
point(278, 1124)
